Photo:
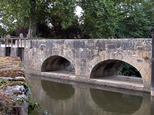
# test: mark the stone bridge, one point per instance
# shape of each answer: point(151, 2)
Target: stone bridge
point(89, 58)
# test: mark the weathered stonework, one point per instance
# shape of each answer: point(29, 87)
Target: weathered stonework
point(13, 51)
point(94, 57)
point(2, 51)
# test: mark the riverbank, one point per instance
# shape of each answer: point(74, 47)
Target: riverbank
point(14, 97)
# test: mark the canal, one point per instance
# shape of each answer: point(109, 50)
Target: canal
point(58, 97)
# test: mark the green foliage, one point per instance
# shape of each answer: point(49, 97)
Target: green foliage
point(9, 110)
point(32, 106)
point(15, 12)
point(9, 106)
point(11, 32)
point(2, 31)
point(29, 13)
point(100, 19)
point(3, 83)
point(128, 70)
point(135, 19)
point(146, 58)
point(27, 88)
point(125, 19)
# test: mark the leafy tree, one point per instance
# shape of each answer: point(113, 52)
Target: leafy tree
point(2, 31)
point(63, 19)
point(22, 30)
point(11, 32)
point(15, 12)
point(126, 19)
point(29, 13)
point(100, 18)
point(135, 19)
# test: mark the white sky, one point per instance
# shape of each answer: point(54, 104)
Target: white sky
point(78, 11)
point(0, 22)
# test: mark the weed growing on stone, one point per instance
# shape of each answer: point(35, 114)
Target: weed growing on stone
point(146, 58)
point(10, 106)
point(41, 48)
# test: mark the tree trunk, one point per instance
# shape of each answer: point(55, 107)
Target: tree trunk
point(32, 23)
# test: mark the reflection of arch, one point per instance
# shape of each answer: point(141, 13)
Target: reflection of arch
point(55, 63)
point(61, 91)
point(116, 102)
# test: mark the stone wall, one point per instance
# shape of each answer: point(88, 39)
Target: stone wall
point(2, 51)
point(91, 56)
point(13, 51)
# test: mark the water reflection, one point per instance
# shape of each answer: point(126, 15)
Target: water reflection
point(57, 91)
point(68, 98)
point(116, 102)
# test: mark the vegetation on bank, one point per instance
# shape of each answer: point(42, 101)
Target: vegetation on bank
point(11, 106)
point(14, 91)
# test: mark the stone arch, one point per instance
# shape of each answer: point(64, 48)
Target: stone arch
point(56, 63)
point(142, 65)
point(109, 70)
point(109, 67)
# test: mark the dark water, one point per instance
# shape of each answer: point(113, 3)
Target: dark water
point(69, 98)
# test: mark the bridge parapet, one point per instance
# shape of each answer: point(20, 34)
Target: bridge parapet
point(86, 54)
point(8, 48)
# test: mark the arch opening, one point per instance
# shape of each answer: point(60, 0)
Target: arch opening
point(57, 63)
point(116, 70)
point(106, 68)
point(113, 68)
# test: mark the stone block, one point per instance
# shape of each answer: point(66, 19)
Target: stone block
point(83, 53)
point(100, 45)
point(13, 51)
point(2, 51)
point(90, 44)
point(128, 44)
point(78, 44)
